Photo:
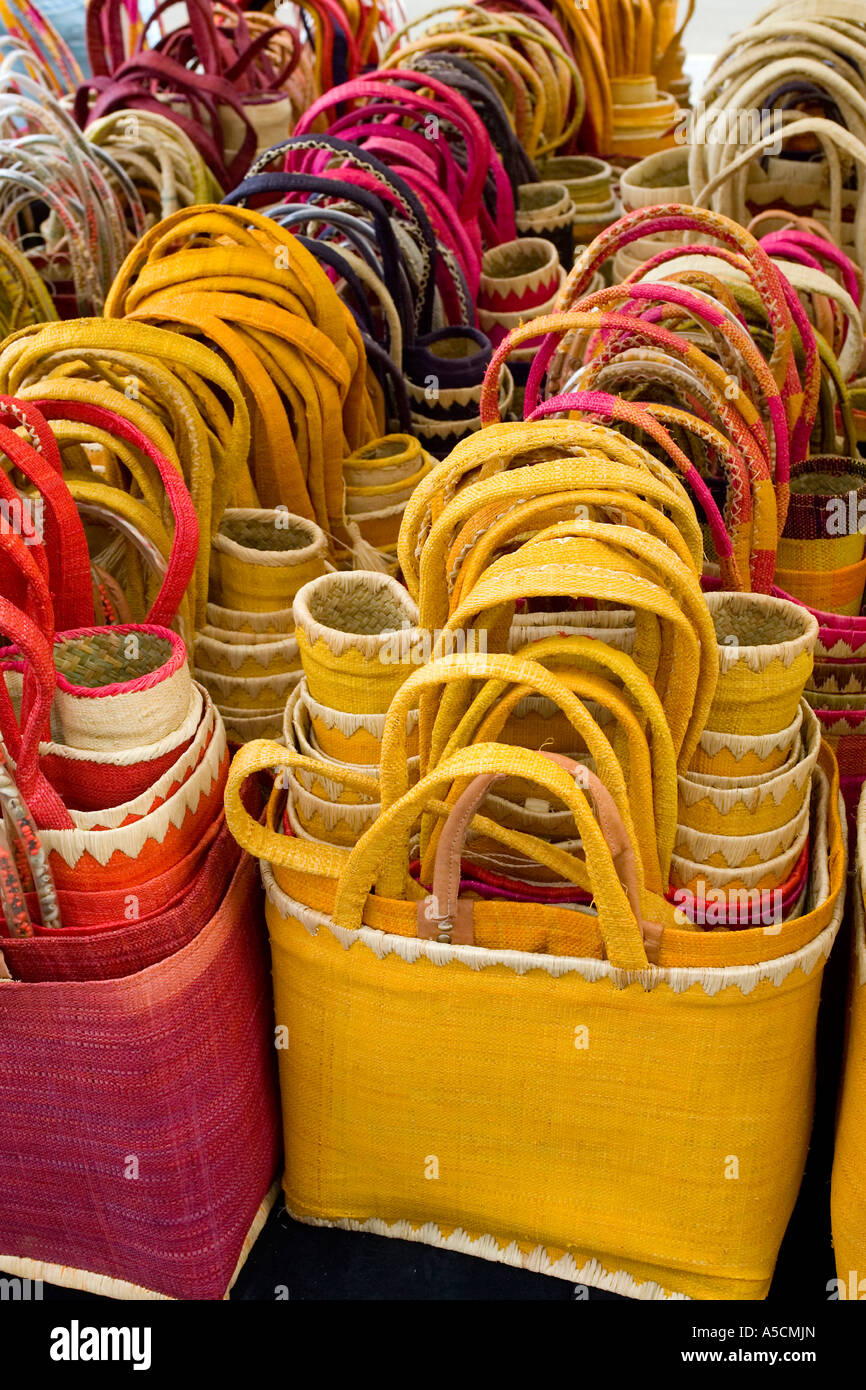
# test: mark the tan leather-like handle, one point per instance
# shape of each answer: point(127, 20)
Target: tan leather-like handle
point(445, 917)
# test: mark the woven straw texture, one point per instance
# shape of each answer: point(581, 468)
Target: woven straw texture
point(848, 1188)
point(81, 1050)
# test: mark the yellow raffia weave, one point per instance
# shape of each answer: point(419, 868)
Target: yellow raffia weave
point(848, 1188)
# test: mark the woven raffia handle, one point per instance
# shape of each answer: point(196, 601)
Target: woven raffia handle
point(184, 546)
point(31, 653)
point(38, 458)
point(444, 917)
point(621, 931)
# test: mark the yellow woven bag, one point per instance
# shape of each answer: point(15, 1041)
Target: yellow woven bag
point(848, 1187)
point(548, 1172)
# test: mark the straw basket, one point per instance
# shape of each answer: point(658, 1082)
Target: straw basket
point(356, 632)
point(765, 660)
point(262, 557)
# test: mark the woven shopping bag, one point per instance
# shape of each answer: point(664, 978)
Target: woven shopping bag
point(567, 1093)
point(155, 1174)
point(848, 1187)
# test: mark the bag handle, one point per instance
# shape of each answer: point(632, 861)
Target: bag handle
point(616, 408)
point(800, 399)
point(477, 544)
point(709, 315)
point(676, 217)
point(38, 458)
point(184, 546)
point(35, 656)
point(621, 928)
point(445, 917)
point(261, 755)
point(489, 711)
point(19, 819)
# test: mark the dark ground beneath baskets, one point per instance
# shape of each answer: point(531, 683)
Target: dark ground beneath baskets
point(299, 1262)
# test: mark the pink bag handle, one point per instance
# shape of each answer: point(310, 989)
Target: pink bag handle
point(185, 541)
point(28, 565)
point(643, 332)
point(801, 430)
point(710, 312)
point(677, 217)
point(786, 241)
point(616, 408)
point(451, 107)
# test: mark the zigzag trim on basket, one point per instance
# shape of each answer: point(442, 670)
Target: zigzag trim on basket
point(766, 787)
point(114, 816)
point(488, 1248)
point(263, 654)
point(842, 650)
point(71, 845)
point(258, 687)
point(740, 746)
point(712, 979)
point(349, 724)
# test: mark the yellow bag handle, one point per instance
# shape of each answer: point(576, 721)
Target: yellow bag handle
point(658, 568)
point(686, 704)
point(494, 450)
point(394, 775)
point(317, 859)
point(645, 708)
point(489, 725)
point(623, 939)
point(511, 489)
point(496, 534)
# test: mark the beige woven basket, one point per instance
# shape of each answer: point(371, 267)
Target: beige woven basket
point(129, 719)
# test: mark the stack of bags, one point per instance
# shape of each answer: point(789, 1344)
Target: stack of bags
point(126, 934)
point(742, 851)
point(589, 184)
point(380, 479)
point(244, 654)
point(357, 636)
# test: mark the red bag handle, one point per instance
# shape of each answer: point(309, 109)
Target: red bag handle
point(34, 655)
point(184, 547)
point(38, 458)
